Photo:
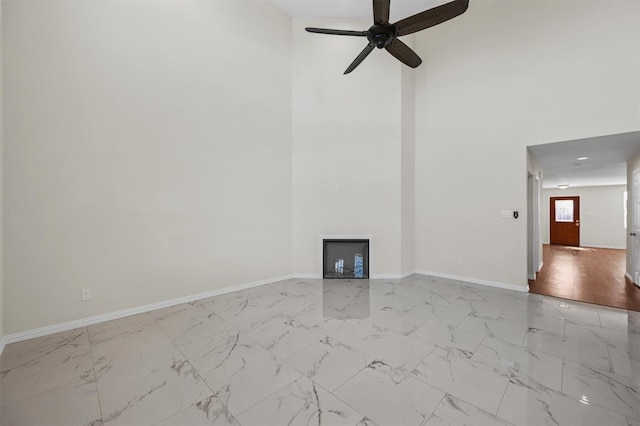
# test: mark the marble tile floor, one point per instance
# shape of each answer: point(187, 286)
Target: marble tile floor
point(416, 351)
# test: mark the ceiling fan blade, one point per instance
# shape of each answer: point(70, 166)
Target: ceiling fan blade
point(381, 12)
point(431, 17)
point(403, 53)
point(365, 52)
point(336, 32)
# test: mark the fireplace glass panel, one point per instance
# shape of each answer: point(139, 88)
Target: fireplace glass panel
point(345, 259)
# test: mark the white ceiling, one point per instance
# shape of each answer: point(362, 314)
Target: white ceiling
point(607, 154)
point(399, 9)
point(607, 163)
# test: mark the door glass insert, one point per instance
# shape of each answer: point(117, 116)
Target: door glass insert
point(564, 210)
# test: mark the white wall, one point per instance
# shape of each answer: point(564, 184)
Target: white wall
point(503, 76)
point(407, 167)
point(1, 190)
point(601, 214)
point(347, 147)
point(147, 152)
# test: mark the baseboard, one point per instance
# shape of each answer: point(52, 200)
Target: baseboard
point(497, 284)
point(531, 277)
point(84, 322)
point(605, 247)
point(631, 280)
point(386, 277)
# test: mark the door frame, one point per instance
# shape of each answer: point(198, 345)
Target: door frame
point(533, 226)
point(633, 228)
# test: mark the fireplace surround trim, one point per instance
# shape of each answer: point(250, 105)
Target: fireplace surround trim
point(345, 237)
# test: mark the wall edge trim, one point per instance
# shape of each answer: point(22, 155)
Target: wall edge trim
point(488, 283)
point(84, 322)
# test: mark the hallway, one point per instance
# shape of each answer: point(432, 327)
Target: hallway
point(592, 275)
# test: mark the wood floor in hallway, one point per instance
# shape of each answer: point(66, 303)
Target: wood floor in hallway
point(592, 275)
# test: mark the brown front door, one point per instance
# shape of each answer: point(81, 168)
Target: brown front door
point(564, 221)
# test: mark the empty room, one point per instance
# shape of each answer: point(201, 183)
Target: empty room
point(272, 212)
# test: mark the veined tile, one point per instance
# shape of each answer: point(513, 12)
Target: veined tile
point(522, 362)
point(147, 384)
point(303, 402)
point(533, 320)
point(613, 392)
point(615, 339)
point(255, 315)
point(455, 373)
point(394, 349)
point(346, 331)
point(422, 293)
point(633, 322)
point(388, 396)
point(239, 371)
point(125, 333)
point(402, 322)
point(530, 404)
point(479, 308)
point(213, 352)
point(455, 412)
point(589, 353)
point(346, 299)
point(562, 309)
point(438, 334)
point(310, 316)
point(510, 332)
point(209, 411)
point(285, 338)
point(65, 359)
point(32, 351)
point(189, 322)
point(617, 319)
point(66, 405)
point(328, 362)
point(226, 305)
point(443, 314)
point(626, 364)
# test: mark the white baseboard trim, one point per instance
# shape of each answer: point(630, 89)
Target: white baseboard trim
point(540, 266)
point(631, 279)
point(84, 322)
point(386, 277)
point(531, 276)
point(604, 247)
point(497, 284)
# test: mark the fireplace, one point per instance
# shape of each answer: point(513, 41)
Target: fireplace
point(345, 258)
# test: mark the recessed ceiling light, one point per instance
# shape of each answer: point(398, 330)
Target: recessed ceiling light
point(565, 186)
point(582, 158)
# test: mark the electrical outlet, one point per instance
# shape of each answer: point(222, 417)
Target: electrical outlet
point(86, 294)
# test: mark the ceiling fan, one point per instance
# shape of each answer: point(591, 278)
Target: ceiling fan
point(382, 34)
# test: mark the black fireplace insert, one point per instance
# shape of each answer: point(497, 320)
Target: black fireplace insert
point(345, 258)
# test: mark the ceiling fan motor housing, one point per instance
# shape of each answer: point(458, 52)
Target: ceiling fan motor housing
point(381, 35)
